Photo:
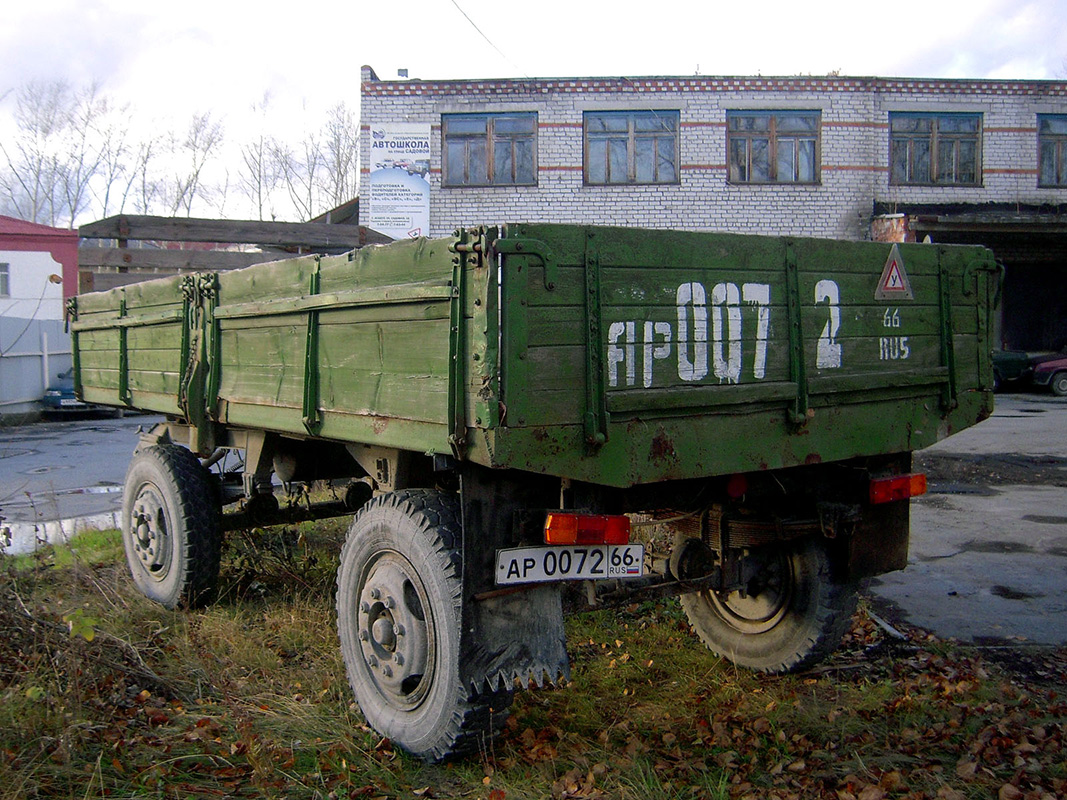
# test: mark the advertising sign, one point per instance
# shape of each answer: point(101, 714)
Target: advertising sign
point(400, 180)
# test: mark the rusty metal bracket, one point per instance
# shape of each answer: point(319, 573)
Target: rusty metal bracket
point(596, 414)
point(125, 396)
point(312, 416)
point(469, 245)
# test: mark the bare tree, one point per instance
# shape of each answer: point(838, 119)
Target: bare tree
point(29, 181)
point(68, 150)
point(144, 183)
point(260, 171)
point(85, 137)
point(193, 151)
point(301, 172)
point(117, 164)
point(340, 148)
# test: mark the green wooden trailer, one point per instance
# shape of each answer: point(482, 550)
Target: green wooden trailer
point(504, 403)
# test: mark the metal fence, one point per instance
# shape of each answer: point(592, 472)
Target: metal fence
point(32, 355)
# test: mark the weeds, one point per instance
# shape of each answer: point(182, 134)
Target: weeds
point(103, 694)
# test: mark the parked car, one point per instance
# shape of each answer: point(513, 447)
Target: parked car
point(1053, 374)
point(1015, 368)
point(59, 399)
point(60, 395)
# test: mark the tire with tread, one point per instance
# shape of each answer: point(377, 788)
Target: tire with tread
point(171, 528)
point(796, 621)
point(399, 606)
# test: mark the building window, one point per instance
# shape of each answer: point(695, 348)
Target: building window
point(490, 149)
point(631, 147)
point(1052, 149)
point(935, 149)
point(773, 147)
point(5, 280)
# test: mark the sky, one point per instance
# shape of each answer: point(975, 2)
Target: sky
point(296, 60)
point(224, 55)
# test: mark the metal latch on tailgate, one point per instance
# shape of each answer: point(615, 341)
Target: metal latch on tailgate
point(531, 247)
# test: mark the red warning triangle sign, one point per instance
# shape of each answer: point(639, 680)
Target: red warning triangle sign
point(894, 283)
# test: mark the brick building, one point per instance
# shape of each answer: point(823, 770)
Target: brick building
point(958, 161)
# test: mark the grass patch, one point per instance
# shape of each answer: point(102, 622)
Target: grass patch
point(103, 694)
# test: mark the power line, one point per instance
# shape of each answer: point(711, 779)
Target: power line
point(490, 41)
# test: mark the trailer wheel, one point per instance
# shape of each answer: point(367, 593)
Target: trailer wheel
point(1058, 384)
point(399, 603)
point(170, 527)
point(794, 617)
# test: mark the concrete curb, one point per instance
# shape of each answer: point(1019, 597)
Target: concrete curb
point(20, 538)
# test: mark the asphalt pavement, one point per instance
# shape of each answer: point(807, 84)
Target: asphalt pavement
point(988, 560)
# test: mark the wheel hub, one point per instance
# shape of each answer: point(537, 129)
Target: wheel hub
point(394, 635)
point(764, 602)
point(149, 533)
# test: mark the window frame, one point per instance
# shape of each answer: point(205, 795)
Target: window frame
point(1059, 142)
point(633, 136)
point(5, 279)
point(773, 137)
point(490, 140)
point(934, 139)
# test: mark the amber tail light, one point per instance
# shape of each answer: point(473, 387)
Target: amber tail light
point(562, 527)
point(897, 487)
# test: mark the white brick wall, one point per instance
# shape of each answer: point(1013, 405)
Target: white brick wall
point(854, 142)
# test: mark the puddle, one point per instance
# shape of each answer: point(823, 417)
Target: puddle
point(996, 547)
point(960, 488)
point(46, 470)
point(16, 453)
point(1012, 594)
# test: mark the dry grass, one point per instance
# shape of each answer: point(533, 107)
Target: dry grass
point(249, 699)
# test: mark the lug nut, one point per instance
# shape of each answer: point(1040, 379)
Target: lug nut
point(363, 636)
point(390, 602)
point(375, 594)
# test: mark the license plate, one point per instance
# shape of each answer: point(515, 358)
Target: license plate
point(569, 563)
point(70, 402)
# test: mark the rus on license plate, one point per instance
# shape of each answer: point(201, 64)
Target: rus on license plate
point(569, 563)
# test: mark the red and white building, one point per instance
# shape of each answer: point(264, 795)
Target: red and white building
point(38, 272)
point(896, 159)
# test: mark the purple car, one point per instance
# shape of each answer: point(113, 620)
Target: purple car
point(1053, 374)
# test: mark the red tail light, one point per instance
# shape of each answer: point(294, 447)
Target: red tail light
point(898, 487)
point(563, 527)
